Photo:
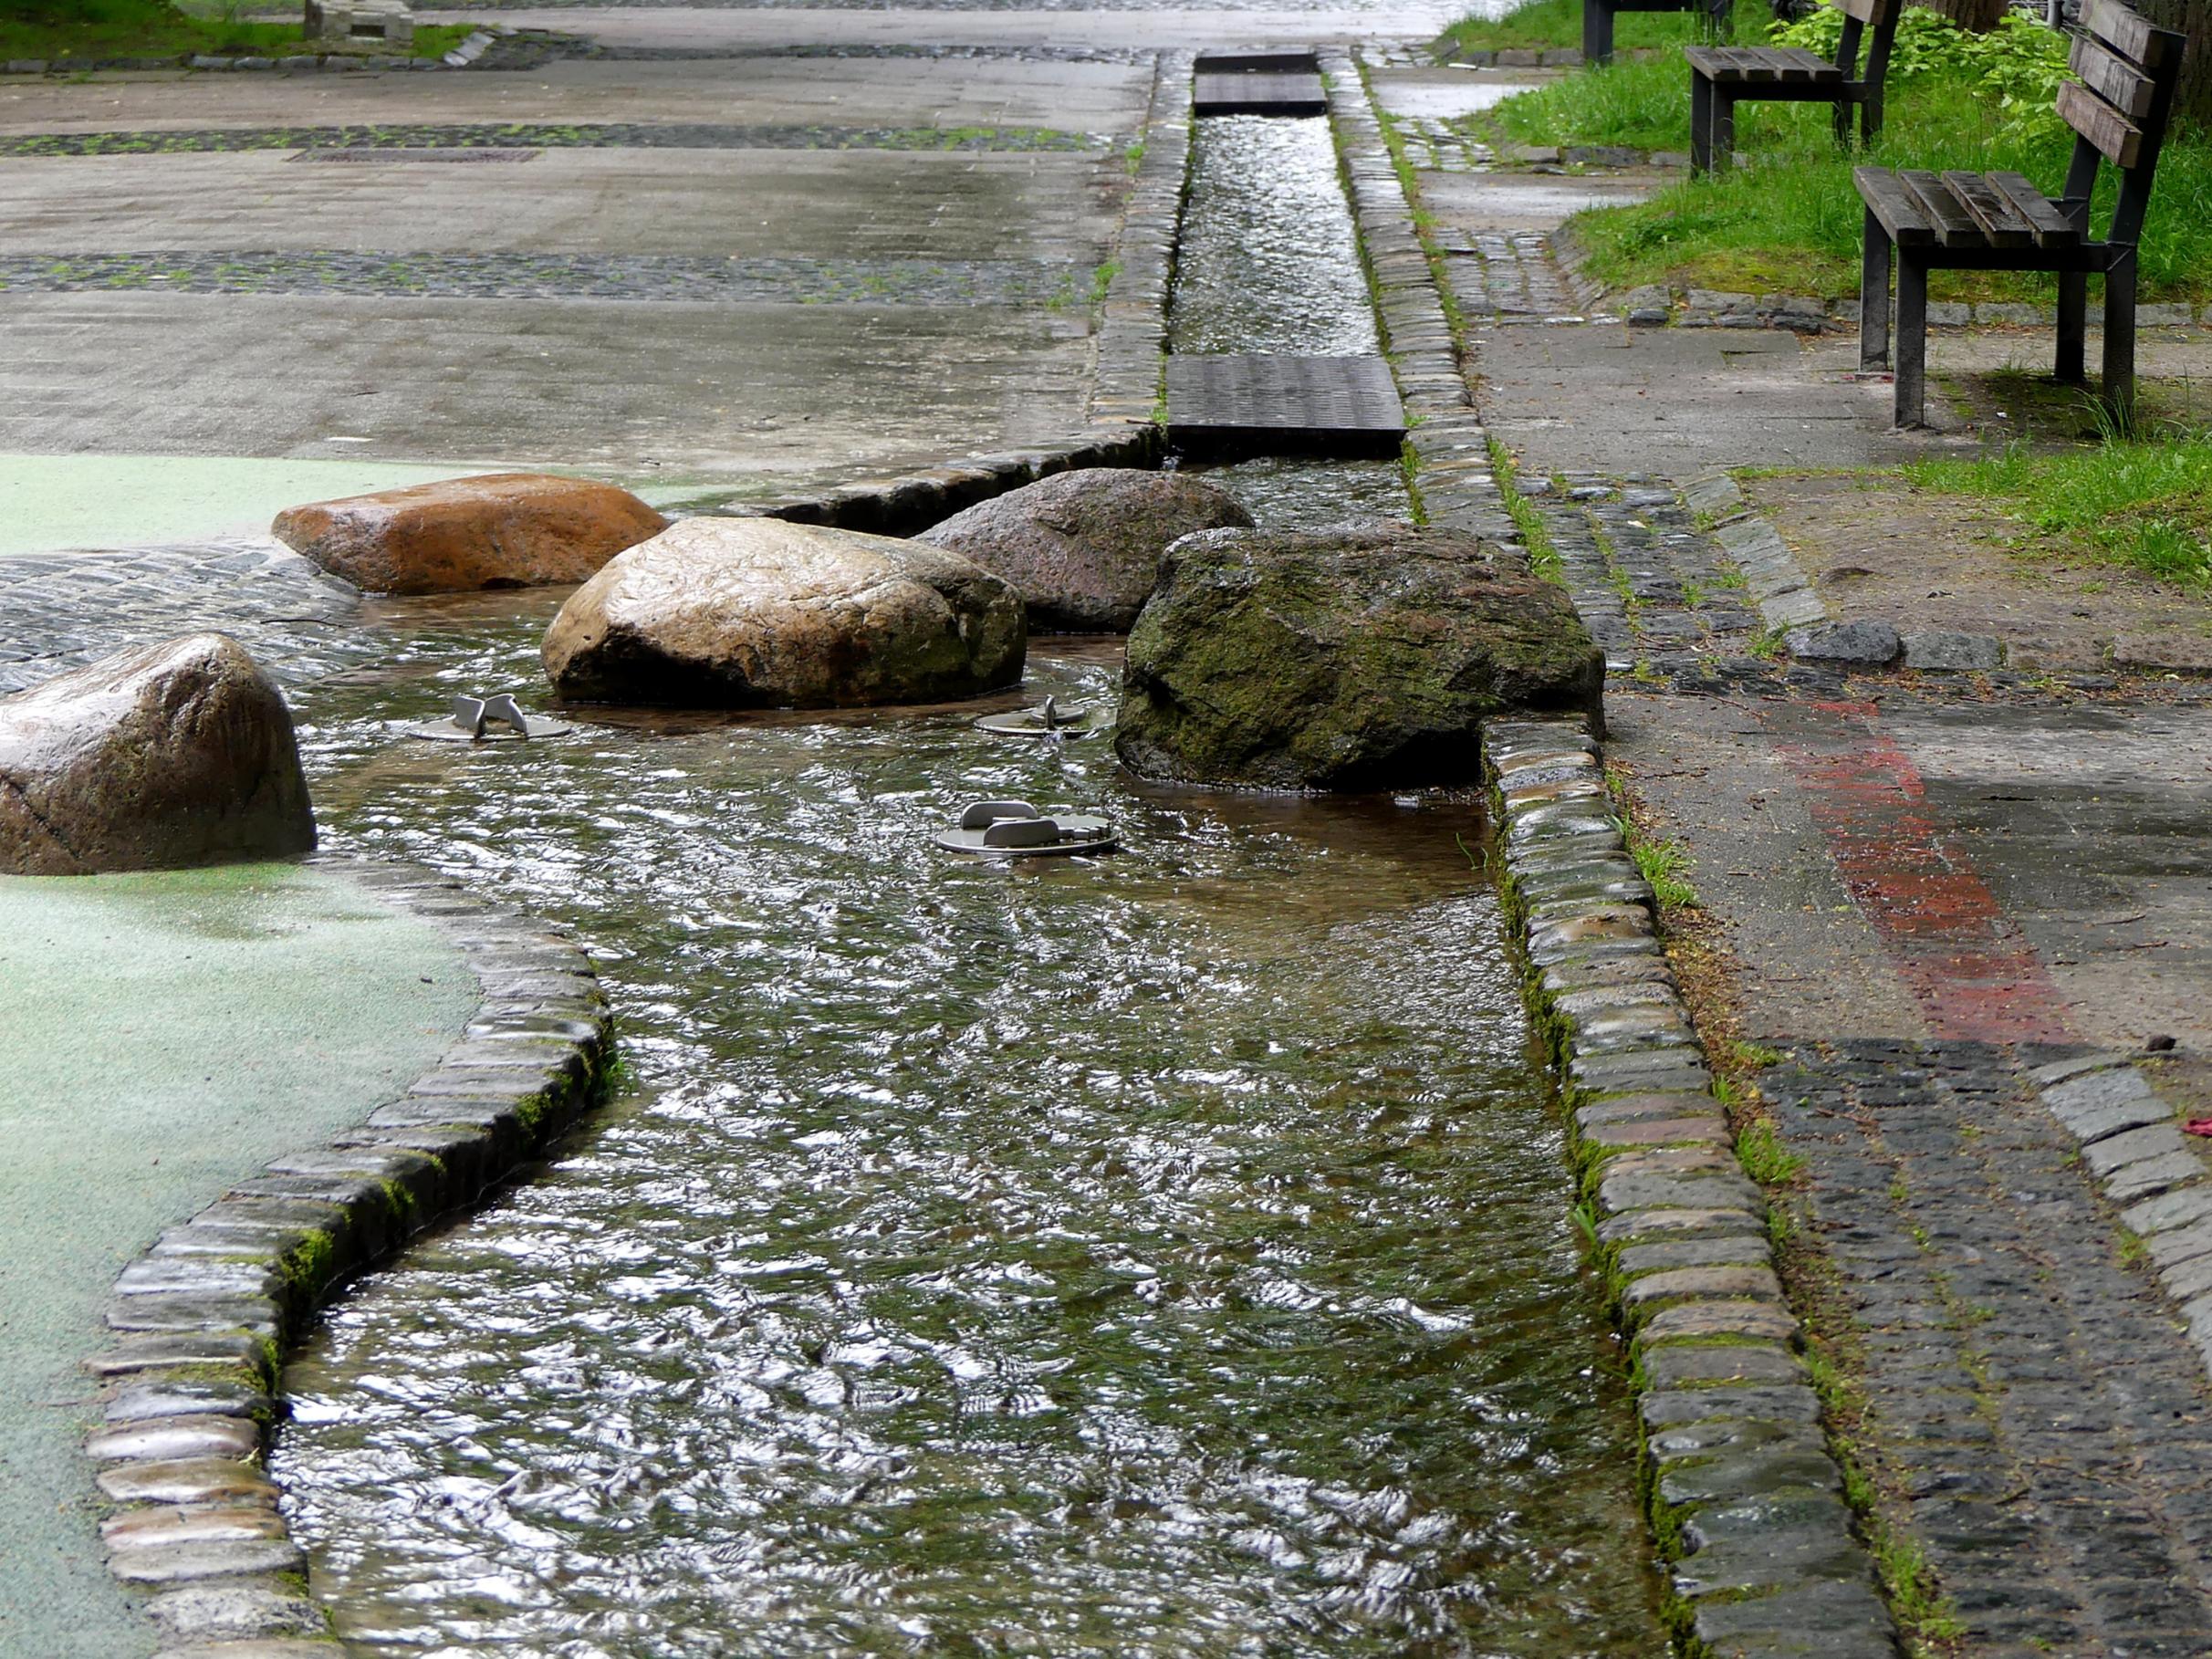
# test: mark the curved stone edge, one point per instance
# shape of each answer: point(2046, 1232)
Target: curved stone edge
point(1450, 467)
point(1757, 1544)
point(200, 1324)
point(1129, 350)
point(2157, 1178)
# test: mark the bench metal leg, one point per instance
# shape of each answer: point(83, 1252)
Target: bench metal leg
point(1597, 32)
point(1701, 124)
point(1873, 297)
point(1911, 405)
point(2120, 338)
point(1721, 126)
point(2073, 319)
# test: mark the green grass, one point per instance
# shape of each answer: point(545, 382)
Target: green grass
point(2146, 506)
point(89, 30)
point(1790, 221)
point(1549, 24)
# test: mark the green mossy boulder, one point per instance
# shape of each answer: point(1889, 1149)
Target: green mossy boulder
point(1364, 658)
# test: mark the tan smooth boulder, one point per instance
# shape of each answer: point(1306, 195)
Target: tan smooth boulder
point(502, 530)
point(1084, 547)
point(754, 612)
point(159, 757)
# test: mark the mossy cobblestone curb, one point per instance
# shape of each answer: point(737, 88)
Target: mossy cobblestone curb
point(199, 1323)
point(1448, 461)
point(1744, 1495)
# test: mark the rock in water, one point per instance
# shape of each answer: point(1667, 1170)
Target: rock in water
point(502, 530)
point(157, 759)
point(754, 612)
point(1365, 658)
point(1084, 547)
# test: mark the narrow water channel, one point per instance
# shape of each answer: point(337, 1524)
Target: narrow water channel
point(1164, 1254)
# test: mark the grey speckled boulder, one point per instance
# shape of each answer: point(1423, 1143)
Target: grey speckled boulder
point(160, 757)
point(755, 612)
point(1084, 547)
point(1364, 658)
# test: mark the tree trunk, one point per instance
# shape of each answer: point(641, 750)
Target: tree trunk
point(1980, 16)
point(2193, 97)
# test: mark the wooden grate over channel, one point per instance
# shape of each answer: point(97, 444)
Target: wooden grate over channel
point(1258, 83)
point(1334, 405)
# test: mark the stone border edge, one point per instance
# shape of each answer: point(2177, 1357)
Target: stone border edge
point(200, 1323)
point(1743, 1493)
point(2140, 1160)
point(1125, 424)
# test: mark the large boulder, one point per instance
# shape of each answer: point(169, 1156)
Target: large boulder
point(501, 530)
point(1365, 658)
point(1084, 547)
point(155, 758)
point(754, 612)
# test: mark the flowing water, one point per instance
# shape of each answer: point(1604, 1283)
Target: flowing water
point(1159, 1254)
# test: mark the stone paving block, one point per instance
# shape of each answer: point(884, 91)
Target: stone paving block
point(184, 1562)
point(1717, 1191)
point(187, 1480)
point(2113, 1151)
point(159, 1397)
point(1740, 1250)
point(1695, 1322)
point(1842, 1618)
point(1773, 1403)
point(2184, 1206)
point(1790, 1555)
point(238, 1611)
point(1711, 1437)
point(1752, 1282)
point(2148, 1176)
point(1655, 1225)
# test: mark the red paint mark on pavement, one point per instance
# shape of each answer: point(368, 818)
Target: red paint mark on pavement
point(1973, 974)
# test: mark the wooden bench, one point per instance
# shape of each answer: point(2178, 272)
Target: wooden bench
point(1598, 21)
point(1722, 77)
point(2001, 221)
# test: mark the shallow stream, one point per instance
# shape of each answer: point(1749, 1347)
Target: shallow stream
point(1159, 1254)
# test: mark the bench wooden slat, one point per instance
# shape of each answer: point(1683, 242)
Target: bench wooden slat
point(2133, 36)
point(1954, 226)
point(2002, 224)
point(1760, 65)
point(2119, 139)
point(1865, 11)
point(1810, 66)
point(2052, 227)
point(2113, 78)
point(1888, 200)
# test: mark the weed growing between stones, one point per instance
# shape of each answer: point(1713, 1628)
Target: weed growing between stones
point(1536, 535)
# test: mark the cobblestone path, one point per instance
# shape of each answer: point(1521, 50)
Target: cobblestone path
point(2024, 1387)
point(538, 135)
point(636, 276)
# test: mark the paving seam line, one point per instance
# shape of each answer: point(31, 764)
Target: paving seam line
point(462, 56)
point(2136, 1150)
point(200, 1324)
point(1740, 1482)
point(1129, 350)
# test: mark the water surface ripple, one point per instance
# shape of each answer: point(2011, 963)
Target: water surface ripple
point(1159, 1254)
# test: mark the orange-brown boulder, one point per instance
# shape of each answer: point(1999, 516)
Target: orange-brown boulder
point(501, 530)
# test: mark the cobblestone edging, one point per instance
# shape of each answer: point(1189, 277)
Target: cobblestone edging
point(1451, 470)
point(1132, 341)
point(200, 1322)
point(1123, 429)
point(462, 56)
point(417, 141)
point(1761, 1556)
point(2132, 1146)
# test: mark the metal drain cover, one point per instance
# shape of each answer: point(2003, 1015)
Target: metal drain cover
point(1336, 405)
point(1257, 92)
point(392, 154)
